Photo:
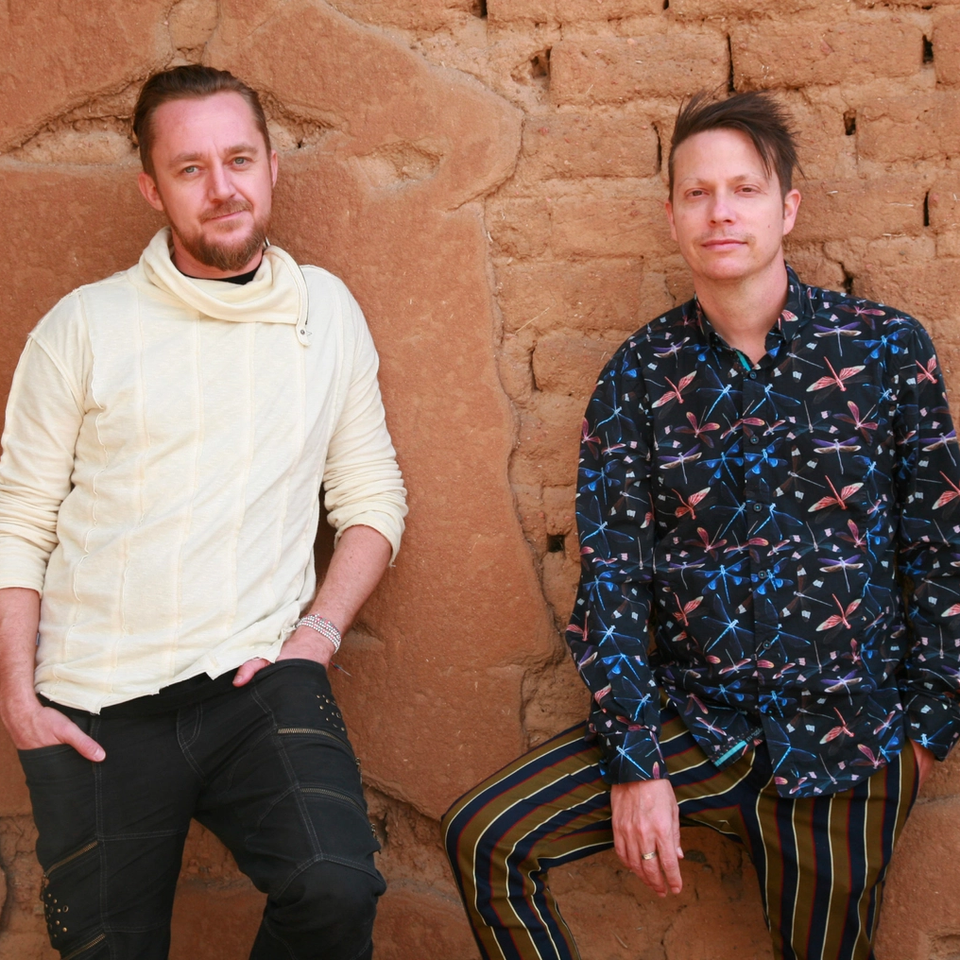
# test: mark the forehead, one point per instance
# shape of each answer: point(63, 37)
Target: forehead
point(719, 153)
point(201, 124)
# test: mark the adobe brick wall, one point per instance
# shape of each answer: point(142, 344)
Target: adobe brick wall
point(487, 177)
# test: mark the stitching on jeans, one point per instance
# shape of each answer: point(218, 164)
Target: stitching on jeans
point(322, 858)
point(292, 779)
point(187, 742)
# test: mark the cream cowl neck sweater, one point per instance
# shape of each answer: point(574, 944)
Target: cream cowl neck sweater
point(164, 445)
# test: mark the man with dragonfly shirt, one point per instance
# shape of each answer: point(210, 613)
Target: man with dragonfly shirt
point(769, 491)
point(166, 436)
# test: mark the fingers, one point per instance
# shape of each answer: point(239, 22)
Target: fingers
point(64, 730)
point(248, 670)
point(86, 746)
point(646, 821)
point(670, 867)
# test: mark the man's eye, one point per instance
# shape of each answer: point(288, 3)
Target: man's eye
point(190, 169)
point(241, 161)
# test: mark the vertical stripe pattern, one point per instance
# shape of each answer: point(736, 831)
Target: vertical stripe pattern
point(820, 861)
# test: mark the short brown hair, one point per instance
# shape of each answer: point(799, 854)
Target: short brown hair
point(757, 114)
point(189, 82)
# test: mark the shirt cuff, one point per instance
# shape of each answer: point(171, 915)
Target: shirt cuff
point(628, 753)
point(933, 722)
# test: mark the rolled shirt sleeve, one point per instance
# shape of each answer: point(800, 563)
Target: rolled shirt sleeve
point(44, 413)
point(362, 482)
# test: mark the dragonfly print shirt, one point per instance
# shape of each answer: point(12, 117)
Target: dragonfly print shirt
point(789, 534)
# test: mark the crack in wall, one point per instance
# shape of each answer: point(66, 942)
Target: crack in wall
point(94, 133)
point(191, 25)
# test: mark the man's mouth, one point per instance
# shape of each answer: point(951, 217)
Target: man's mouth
point(227, 210)
point(722, 243)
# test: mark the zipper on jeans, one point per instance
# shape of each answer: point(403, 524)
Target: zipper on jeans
point(73, 856)
point(335, 795)
point(312, 731)
point(343, 798)
point(87, 946)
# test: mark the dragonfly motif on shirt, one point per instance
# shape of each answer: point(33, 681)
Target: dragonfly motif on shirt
point(689, 506)
point(842, 730)
point(839, 331)
point(943, 441)
point(684, 610)
point(835, 379)
point(839, 499)
point(737, 424)
point(591, 441)
point(875, 762)
point(837, 447)
point(699, 430)
point(671, 350)
point(855, 537)
point(844, 683)
point(926, 373)
point(840, 617)
point(859, 311)
point(712, 547)
point(681, 461)
point(951, 494)
point(861, 424)
point(676, 390)
point(835, 564)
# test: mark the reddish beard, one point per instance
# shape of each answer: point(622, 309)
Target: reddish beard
point(225, 253)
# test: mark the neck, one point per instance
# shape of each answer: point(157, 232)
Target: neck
point(743, 312)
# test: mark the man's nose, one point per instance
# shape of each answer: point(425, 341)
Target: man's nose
point(219, 183)
point(721, 210)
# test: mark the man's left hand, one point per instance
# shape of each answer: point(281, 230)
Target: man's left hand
point(925, 760)
point(302, 644)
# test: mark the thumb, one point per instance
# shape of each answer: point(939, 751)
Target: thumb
point(247, 670)
point(84, 745)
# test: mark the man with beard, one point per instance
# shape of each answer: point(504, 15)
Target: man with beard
point(768, 617)
point(167, 433)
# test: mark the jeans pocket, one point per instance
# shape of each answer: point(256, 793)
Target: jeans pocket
point(63, 796)
point(302, 663)
point(28, 757)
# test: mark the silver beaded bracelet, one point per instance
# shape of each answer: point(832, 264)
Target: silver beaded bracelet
point(323, 626)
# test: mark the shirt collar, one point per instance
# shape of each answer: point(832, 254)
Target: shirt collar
point(796, 312)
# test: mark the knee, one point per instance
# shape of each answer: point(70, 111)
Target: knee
point(460, 827)
point(473, 839)
point(330, 896)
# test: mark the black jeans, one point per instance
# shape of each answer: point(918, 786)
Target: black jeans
point(266, 767)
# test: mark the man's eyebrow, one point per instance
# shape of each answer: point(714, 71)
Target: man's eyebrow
point(739, 178)
point(191, 156)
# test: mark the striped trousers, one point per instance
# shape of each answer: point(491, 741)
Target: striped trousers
point(820, 861)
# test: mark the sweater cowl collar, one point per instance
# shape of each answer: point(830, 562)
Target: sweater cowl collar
point(276, 294)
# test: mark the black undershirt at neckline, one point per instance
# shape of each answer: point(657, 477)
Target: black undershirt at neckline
point(240, 279)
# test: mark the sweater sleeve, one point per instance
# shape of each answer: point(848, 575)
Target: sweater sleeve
point(44, 411)
point(361, 480)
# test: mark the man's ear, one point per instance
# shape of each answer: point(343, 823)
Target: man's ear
point(274, 163)
point(668, 207)
point(791, 204)
point(148, 187)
